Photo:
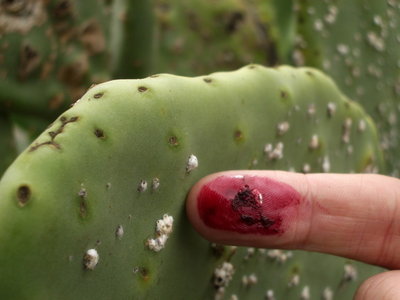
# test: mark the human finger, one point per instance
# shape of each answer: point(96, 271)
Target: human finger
point(350, 215)
point(383, 286)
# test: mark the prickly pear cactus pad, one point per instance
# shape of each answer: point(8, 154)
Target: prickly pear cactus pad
point(357, 43)
point(94, 207)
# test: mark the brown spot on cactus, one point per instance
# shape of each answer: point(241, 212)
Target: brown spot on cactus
point(92, 37)
point(83, 208)
point(99, 133)
point(238, 135)
point(309, 73)
point(13, 7)
point(98, 95)
point(73, 74)
point(56, 101)
point(23, 195)
point(63, 8)
point(21, 16)
point(142, 272)
point(207, 80)
point(284, 94)
point(142, 89)
point(234, 19)
point(173, 141)
point(29, 60)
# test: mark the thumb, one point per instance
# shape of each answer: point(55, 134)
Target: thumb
point(384, 286)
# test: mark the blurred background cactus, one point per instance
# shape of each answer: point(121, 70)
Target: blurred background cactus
point(53, 51)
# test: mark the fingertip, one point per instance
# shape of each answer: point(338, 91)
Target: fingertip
point(192, 208)
point(383, 286)
point(240, 207)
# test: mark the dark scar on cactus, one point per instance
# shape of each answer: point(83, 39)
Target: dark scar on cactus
point(142, 89)
point(284, 94)
point(63, 9)
point(98, 95)
point(99, 133)
point(54, 134)
point(23, 195)
point(29, 60)
point(173, 141)
point(143, 272)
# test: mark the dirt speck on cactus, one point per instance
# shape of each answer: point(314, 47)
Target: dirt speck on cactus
point(223, 275)
point(155, 183)
point(314, 142)
point(90, 259)
point(305, 293)
point(294, 280)
point(249, 253)
point(311, 110)
point(142, 187)
point(327, 293)
point(119, 232)
point(331, 109)
point(234, 297)
point(326, 165)
point(362, 125)
point(347, 130)
point(192, 163)
point(306, 168)
point(350, 272)
point(282, 128)
point(207, 80)
point(82, 192)
point(164, 229)
point(270, 295)
point(217, 249)
point(23, 195)
point(274, 153)
point(249, 280)
point(83, 208)
point(279, 255)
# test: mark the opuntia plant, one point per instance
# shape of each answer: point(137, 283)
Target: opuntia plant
point(116, 219)
point(94, 206)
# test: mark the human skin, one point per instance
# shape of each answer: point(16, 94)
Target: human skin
point(350, 215)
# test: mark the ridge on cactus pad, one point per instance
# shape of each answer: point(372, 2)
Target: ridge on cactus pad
point(94, 207)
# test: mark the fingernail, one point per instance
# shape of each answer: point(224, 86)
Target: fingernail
point(247, 204)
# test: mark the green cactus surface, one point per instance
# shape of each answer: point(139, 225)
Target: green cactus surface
point(85, 210)
point(51, 51)
point(357, 42)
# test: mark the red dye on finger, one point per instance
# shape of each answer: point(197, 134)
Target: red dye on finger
point(247, 204)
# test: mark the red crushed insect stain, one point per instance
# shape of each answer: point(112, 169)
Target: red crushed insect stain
point(247, 204)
